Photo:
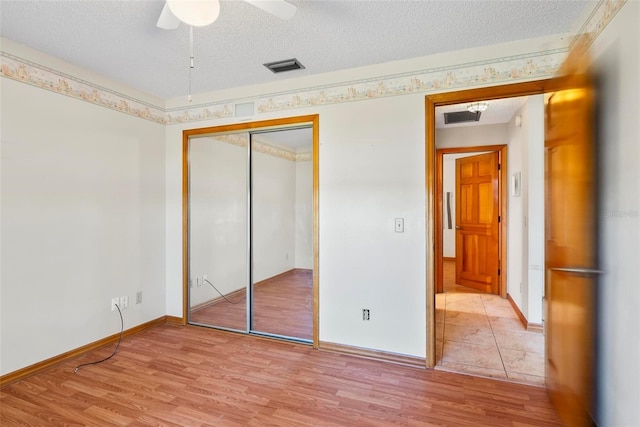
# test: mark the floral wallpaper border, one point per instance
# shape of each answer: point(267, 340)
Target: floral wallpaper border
point(535, 66)
point(22, 70)
point(601, 15)
point(240, 140)
point(531, 66)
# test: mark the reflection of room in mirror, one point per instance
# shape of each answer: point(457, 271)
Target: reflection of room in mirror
point(218, 214)
point(282, 232)
point(281, 209)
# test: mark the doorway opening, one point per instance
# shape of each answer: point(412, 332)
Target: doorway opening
point(439, 269)
point(250, 228)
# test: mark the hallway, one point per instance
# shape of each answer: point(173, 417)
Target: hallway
point(480, 334)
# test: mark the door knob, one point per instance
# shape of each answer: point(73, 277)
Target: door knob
point(458, 227)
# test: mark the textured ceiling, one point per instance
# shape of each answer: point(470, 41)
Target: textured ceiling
point(119, 39)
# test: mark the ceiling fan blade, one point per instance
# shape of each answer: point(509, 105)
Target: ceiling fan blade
point(279, 8)
point(167, 20)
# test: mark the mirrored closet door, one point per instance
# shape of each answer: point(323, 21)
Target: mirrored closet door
point(218, 230)
point(282, 233)
point(250, 237)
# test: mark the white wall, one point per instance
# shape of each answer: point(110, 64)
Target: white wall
point(525, 277)
point(471, 136)
point(372, 171)
point(304, 215)
point(517, 244)
point(616, 59)
point(82, 222)
point(535, 200)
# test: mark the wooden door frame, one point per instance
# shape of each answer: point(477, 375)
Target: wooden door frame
point(314, 121)
point(502, 209)
point(431, 102)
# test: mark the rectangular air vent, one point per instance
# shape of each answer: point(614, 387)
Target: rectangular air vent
point(461, 117)
point(245, 109)
point(286, 65)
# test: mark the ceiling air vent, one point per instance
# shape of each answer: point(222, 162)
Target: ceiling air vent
point(461, 117)
point(286, 65)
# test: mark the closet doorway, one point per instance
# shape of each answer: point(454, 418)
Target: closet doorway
point(250, 212)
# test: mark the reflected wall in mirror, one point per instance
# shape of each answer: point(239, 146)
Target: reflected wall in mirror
point(218, 231)
point(282, 232)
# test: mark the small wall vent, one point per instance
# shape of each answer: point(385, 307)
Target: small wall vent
point(245, 109)
point(461, 117)
point(286, 65)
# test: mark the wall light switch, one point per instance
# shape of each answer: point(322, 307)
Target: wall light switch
point(399, 225)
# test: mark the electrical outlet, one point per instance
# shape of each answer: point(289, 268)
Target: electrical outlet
point(124, 302)
point(366, 314)
point(204, 277)
point(198, 281)
point(139, 297)
point(114, 302)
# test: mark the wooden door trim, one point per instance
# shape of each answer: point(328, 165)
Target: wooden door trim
point(502, 229)
point(431, 102)
point(314, 121)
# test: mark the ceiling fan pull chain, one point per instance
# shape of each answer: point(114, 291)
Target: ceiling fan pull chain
point(190, 58)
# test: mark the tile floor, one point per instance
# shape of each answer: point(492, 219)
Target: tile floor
point(480, 334)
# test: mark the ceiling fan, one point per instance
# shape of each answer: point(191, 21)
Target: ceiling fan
point(198, 13)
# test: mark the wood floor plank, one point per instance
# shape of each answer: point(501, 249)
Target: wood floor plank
point(174, 375)
point(282, 305)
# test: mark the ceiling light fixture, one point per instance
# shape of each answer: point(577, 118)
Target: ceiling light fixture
point(474, 107)
point(196, 13)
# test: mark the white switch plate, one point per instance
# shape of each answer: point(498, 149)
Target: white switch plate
point(124, 302)
point(399, 225)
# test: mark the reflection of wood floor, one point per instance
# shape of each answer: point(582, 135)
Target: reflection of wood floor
point(187, 376)
point(282, 305)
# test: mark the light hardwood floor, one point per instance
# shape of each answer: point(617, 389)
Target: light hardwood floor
point(282, 305)
point(192, 376)
point(480, 334)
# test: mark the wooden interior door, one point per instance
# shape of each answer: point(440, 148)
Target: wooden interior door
point(477, 222)
point(571, 273)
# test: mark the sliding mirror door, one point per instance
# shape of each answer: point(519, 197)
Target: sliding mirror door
point(282, 233)
point(218, 230)
point(250, 230)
